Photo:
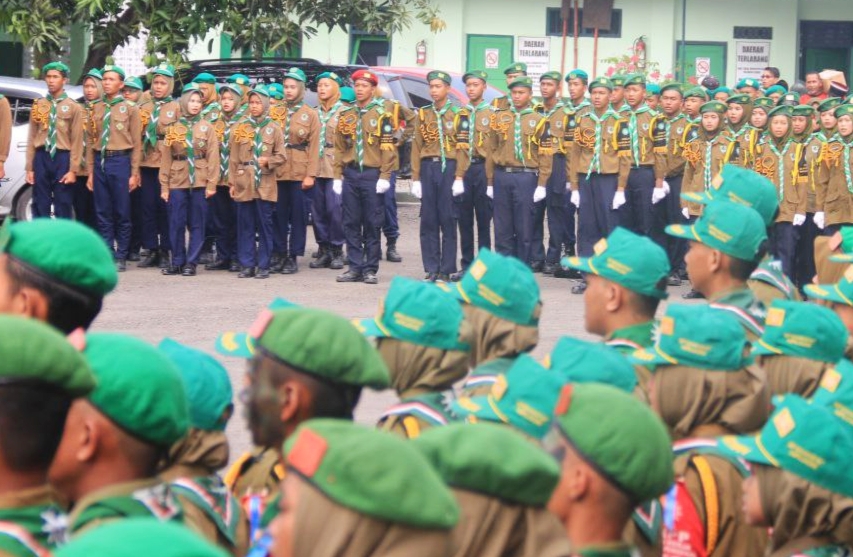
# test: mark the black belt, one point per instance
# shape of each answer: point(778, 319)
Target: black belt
point(249, 163)
point(478, 160)
point(329, 145)
point(300, 147)
point(434, 159)
point(161, 136)
point(354, 166)
point(184, 157)
point(516, 169)
point(58, 150)
point(108, 154)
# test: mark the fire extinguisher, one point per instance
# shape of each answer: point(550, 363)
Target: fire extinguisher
point(640, 51)
point(421, 50)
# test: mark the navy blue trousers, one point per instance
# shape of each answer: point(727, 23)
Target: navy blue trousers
point(255, 217)
point(438, 221)
point(187, 209)
point(561, 219)
point(155, 214)
point(84, 203)
point(784, 245)
point(667, 212)
point(474, 203)
point(514, 212)
point(390, 226)
point(112, 202)
point(290, 220)
point(363, 215)
point(596, 217)
point(47, 189)
point(327, 213)
point(805, 264)
point(222, 221)
point(636, 214)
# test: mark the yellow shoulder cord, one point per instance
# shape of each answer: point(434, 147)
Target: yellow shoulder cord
point(413, 429)
point(795, 171)
point(236, 470)
point(712, 502)
point(396, 116)
point(537, 140)
point(729, 150)
point(278, 471)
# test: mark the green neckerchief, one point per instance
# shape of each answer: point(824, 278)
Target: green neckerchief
point(224, 149)
point(706, 172)
point(212, 496)
point(325, 116)
point(150, 139)
point(751, 312)
point(668, 122)
point(20, 527)
point(473, 110)
point(624, 108)
point(440, 402)
point(50, 140)
point(584, 103)
point(258, 145)
point(632, 130)
point(359, 131)
point(780, 161)
point(595, 163)
point(188, 139)
point(615, 549)
point(291, 110)
point(105, 133)
point(439, 117)
point(557, 106)
point(516, 138)
point(847, 146)
point(628, 339)
point(210, 108)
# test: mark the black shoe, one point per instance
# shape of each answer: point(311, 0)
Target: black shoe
point(145, 252)
point(562, 272)
point(246, 272)
point(443, 278)
point(218, 266)
point(537, 266)
point(165, 259)
point(189, 270)
point(337, 261)
point(121, 265)
point(456, 277)
point(234, 268)
point(549, 268)
point(316, 254)
point(133, 256)
point(350, 276)
point(289, 266)
point(693, 295)
point(171, 270)
point(150, 260)
point(391, 253)
point(579, 288)
point(323, 260)
point(370, 278)
point(683, 274)
point(673, 280)
point(431, 277)
point(276, 263)
point(263, 274)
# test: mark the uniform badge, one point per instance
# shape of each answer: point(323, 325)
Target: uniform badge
point(609, 129)
point(485, 121)
point(304, 117)
point(65, 108)
point(301, 133)
point(119, 126)
point(373, 122)
point(532, 123)
point(264, 148)
point(464, 124)
point(645, 127)
point(815, 149)
point(448, 125)
point(679, 130)
point(624, 131)
point(722, 148)
point(335, 121)
point(204, 129)
point(661, 126)
point(201, 144)
point(170, 114)
point(269, 131)
point(122, 109)
point(558, 124)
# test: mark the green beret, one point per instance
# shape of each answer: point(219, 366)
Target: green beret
point(829, 104)
point(140, 537)
point(114, 69)
point(165, 69)
point(349, 360)
point(297, 74)
point(619, 436)
point(56, 66)
point(653, 89)
point(790, 99)
point(696, 92)
point(775, 89)
point(476, 74)
point(604, 82)
point(133, 82)
point(501, 285)
point(438, 74)
point(577, 74)
point(732, 228)
point(64, 250)
point(139, 388)
point(764, 103)
point(242, 345)
point(32, 350)
point(239, 79)
point(580, 361)
point(677, 87)
point(635, 79)
point(347, 94)
point(95, 73)
point(618, 80)
point(802, 330)
point(804, 439)
point(190, 88)
point(740, 98)
point(276, 91)
point(233, 88)
point(783, 110)
point(260, 90)
point(748, 82)
point(844, 110)
point(204, 77)
point(333, 76)
point(523, 81)
point(725, 90)
point(491, 460)
point(419, 313)
point(630, 260)
point(713, 106)
point(553, 76)
point(206, 381)
point(371, 472)
point(518, 67)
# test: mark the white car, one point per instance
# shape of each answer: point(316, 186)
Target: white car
point(15, 194)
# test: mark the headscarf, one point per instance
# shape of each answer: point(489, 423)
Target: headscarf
point(810, 128)
point(300, 97)
point(184, 103)
point(169, 88)
point(208, 93)
point(239, 102)
point(498, 338)
point(744, 121)
point(265, 101)
point(98, 84)
point(200, 453)
point(791, 374)
point(417, 369)
point(326, 529)
point(780, 142)
point(705, 135)
point(336, 95)
point(488, 527)
point(702, 403)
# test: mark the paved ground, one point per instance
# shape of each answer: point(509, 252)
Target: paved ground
point(196, 310)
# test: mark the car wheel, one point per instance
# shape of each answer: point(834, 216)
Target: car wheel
point(24, 205)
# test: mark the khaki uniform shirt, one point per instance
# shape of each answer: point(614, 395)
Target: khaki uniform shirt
point(791, 183)
point(670, 137)
point(174, 161)
point(125, 133)
point(813, 151)
point(481, 118)
point(241, 170)
point(88, 125)
point(382, 131)
point(697, 153)
point(69, 129)
point(834, 194)
point(503, 143)
point(168, 113)
point(302, 145)
point(455, 130)
point(5, 128)
point(747, 140)
point(325, 167)
point(613, 151)
point(646, 155)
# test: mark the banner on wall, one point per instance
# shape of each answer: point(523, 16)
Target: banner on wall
point(536, 53)
point(751, 57)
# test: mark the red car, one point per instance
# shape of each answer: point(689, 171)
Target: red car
point(414, 82)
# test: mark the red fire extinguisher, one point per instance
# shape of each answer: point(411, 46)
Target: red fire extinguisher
point(640, 52)
point(421, 50)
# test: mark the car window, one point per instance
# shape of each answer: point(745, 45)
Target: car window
point(20, 109)
point(418, 91)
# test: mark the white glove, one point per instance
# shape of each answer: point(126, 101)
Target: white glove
point(618, 199)
point(576, 198)
point(539, 194)
point(568, 187)
point(416, 189)
point(458, 187)
point(338, 186)
point(820, 219)
point(490, 192)
point(685, 212)
point(658, 194)
point(799, 220)
point(666, 186)
point(382, 185)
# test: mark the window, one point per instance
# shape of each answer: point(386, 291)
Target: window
point(418, 90)
point(21, 107)
point(754, 33)
point(554, 24)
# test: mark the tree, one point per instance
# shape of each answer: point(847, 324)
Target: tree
point(257, 26)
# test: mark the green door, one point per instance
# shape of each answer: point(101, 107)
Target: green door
point(713, 52)
point(819, 59)
point(491, 53)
